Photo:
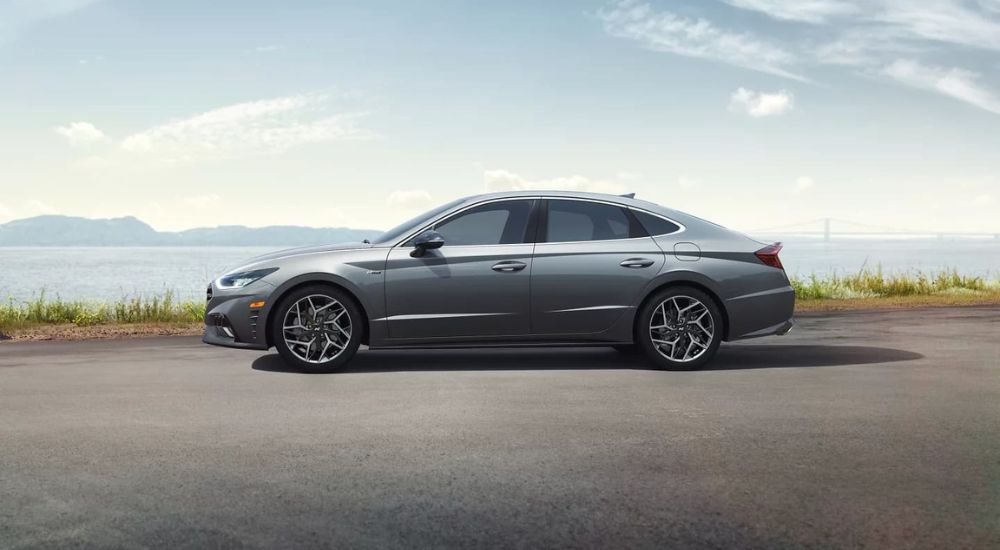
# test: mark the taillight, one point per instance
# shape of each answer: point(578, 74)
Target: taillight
point(769, 255)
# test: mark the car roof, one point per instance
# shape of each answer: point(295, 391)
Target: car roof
point(605, 197)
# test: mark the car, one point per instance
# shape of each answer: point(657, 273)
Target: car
point(519, 268)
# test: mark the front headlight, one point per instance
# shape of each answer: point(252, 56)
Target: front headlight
point(243, 278)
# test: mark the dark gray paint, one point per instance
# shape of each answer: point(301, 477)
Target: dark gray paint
point(566, 292)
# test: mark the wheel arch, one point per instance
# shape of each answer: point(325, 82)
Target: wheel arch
point(691, 282)
point(322, 279)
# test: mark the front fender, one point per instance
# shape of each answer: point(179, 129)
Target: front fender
point(369, 294)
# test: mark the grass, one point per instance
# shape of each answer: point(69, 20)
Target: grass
point(868, 288)
point(874, 283)
point(139, 310)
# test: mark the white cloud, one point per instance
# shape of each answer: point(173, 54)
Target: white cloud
point(253, 127)
point(409, 198)
point(502, 180)
point(760, 104)
point(203, 201)
point(268, 48)
point(952, 82)
point(5, 212)
point(81, 134)
point(36, 207)
point(877, 27)
point(804, 184)
point(667, 32)
point(810, 11)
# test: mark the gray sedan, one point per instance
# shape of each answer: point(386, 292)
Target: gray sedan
point(532, 268)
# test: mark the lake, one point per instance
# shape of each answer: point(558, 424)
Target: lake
point(107, 273)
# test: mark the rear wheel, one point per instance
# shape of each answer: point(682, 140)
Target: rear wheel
point(317, 328)
point(680, 328)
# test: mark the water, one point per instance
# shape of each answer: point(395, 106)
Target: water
point(112, 273)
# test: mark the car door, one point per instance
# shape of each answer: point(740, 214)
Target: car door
point(591, 261)
point(476, 284)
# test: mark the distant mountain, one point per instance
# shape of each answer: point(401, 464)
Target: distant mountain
point(130, 231)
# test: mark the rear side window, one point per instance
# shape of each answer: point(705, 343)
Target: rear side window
point(492, 223)
point(655, 225)
point(572, 221)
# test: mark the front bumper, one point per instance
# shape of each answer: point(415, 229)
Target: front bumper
point(231, 322)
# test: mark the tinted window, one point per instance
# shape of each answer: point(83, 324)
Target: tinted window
point(415, 223)
point(570, 221)
point(655, 225)
point(493, 223)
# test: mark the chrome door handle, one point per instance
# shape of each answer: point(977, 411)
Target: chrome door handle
point(509, 266)
point(636, 262)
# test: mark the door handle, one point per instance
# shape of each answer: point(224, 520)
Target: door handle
point(509, 266)
point(637, 262)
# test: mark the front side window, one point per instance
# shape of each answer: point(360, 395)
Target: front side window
point(571, 221)
point(493, 223)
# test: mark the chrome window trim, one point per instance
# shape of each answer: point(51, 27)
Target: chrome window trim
point(620, 205)
point(446, 215)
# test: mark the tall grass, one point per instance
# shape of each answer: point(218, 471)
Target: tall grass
point(874, 283)
point(45, 311)
point(867, 283)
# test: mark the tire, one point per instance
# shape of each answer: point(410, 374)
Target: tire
point(685, 339)
point(333, 325)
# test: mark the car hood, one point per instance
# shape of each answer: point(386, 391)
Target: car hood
point(307, 250)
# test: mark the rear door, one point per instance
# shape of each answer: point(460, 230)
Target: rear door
point(476, 284)
point(591, 261)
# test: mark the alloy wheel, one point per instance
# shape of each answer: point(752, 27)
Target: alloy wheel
point(317, 328)
point(681, 328)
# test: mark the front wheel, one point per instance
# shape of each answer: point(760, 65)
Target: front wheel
point(680, 328)
point(317, 328)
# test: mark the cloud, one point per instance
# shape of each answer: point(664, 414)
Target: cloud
point(250, 128)
point(36, 207)
point(203, 201)
point(953, 82)
point(409, 198)
point(664, 31)
point(877, 27)
point(268, 48)
point(810, 11)
point(5, 212)
point(502, 180)
point(81, 134)
point(760, 104)
point(804, 184)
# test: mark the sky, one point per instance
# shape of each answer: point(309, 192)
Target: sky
point(750, 113)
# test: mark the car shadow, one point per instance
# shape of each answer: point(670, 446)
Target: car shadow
point(730, 357)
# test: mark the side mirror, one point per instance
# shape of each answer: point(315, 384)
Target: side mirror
point(428, 240)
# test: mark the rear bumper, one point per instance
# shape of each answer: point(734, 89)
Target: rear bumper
point(775, 330)
point(761, 313)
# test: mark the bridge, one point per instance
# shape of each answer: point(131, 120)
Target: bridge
point(827, 228)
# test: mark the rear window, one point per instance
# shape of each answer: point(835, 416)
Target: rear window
point(655, 225)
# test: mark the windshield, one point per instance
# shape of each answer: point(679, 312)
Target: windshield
point(403, 228)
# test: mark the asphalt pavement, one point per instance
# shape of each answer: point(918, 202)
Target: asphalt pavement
point(874, 429)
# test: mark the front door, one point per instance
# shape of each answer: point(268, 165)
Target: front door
point(589, 266)
point(476, 284)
